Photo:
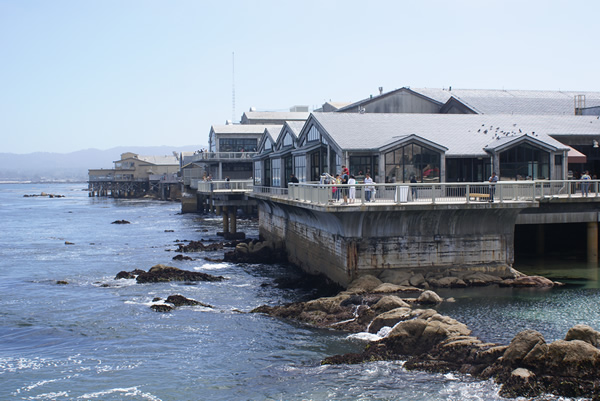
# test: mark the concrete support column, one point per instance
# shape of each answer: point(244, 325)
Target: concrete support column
point(225, 220)
point(592, 241)
point(233, 221)
point(540, 240)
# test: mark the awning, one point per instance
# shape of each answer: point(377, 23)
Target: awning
point(574, 156)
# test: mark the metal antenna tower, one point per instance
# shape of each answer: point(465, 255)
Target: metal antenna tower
point(233, 87)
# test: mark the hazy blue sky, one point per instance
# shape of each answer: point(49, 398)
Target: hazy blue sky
point(78, 74)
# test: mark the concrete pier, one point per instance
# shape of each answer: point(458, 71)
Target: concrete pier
point(345, 244)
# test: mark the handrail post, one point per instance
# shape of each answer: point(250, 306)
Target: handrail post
point(467, 193)
point(433, 194)
point(362, 194)
point(500, 193)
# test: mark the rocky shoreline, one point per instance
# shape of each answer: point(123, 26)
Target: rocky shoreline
point(396, 310)
point(404, 326)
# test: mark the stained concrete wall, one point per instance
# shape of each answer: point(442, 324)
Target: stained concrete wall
point(346, 244)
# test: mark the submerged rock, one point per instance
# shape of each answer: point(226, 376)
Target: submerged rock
point(198, 246)
point(162, 308)
point(120, 222)
point(174, 301)
point(180, 300)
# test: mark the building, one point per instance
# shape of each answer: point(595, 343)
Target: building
point(476, 101)
point(393, 147)
point(134, 175)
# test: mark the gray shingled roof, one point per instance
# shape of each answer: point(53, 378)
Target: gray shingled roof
point(277, 115)
point(242, 128)
point(528, 102)
point(295, 127)
point(462, 134)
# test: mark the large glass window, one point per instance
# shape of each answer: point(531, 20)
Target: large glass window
point(267, 165)
point(237, 145)
point(315, 166)
point(468, 169)
point(276, 172)
point(524, 161)
point(288, 140)
point(361, 165)
point(313, 134)
point(300, 167)
point(412, 160)
point(258, 173)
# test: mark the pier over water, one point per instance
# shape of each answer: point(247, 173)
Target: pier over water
point(440, 227)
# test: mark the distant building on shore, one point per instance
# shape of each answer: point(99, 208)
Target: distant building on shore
point(134, 175)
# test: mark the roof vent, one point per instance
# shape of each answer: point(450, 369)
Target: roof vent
point(252, 108)
point(381, 90)
point(228, 122)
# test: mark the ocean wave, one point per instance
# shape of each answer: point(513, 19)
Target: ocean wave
point(120, 392)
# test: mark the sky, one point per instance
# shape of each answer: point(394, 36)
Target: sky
point(80, 74)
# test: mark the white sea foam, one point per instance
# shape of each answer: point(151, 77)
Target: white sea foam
point(364, 336)
point(212, 266)
point(49, 396)
point(125, 392)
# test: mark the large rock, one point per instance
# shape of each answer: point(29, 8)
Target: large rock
point(180, 300)
point(417, 280)
point(574, 358)
point(162, 273)
point(416, 336)
point(522, 345)
point(585, 333)
point(480, 279)
point(429, 298)
point(389, 319)
point(256, 252)
point(448, 282)
point(363, 284)
point(398, 277)
point(389, 302)
point(528, 281)
point(387, 288)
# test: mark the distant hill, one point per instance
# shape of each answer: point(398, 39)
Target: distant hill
point(74, 166)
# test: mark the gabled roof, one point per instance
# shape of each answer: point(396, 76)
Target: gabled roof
point(527, 102)
point(461, 134)
point(371, 99)
point(270, 133)
point(292, 128)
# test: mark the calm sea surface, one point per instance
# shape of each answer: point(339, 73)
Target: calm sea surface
point(97, 338)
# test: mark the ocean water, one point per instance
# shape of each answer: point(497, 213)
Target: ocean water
point(96, 338)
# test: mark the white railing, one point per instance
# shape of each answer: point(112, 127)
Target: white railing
point(222, 185)
point(207, 156)
point(438, 193)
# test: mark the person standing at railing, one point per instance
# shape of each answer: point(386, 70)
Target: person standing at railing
point(345, 177)
point(227, 186)
point(413, 189)
point(352, 191)
point(493, 180)
point(585, 186)
point(335, 191)
point(368, 187)
point(293, 179)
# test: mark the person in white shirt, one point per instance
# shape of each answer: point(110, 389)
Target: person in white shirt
point(352, 192)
